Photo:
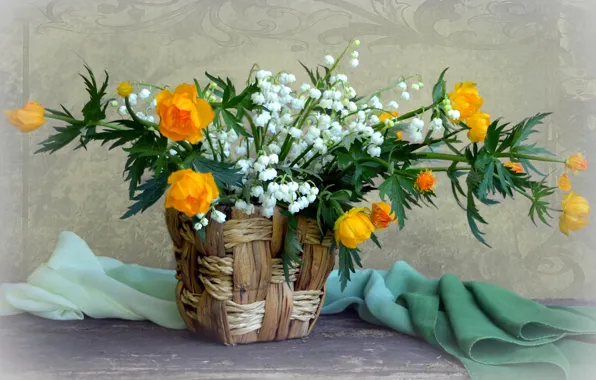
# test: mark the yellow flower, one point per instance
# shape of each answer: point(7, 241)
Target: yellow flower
point(388, 116)
point(577, 162)
point(515, 167)
point(381, 215)
point(353, 227)
point(575, 209)
point(466, 99)
point(124, 89)
point(399, 135)
point(425, 181)
point(183, 115)
point(28, 118)
point(191, 192)
point(478, 124)
point(564, 183)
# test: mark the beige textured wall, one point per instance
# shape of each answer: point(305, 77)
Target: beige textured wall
point(527, 55)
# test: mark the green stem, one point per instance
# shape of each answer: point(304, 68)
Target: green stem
point(377, 160)
point(417, 112)
point(443, 169)
point(441, 156)
point(301, 156)
point(149, 85)
point(530, 157)
point(73, 121)
point(186, 145)
point(134, 116)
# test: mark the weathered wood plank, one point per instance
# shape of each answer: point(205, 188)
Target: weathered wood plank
point(339, 347)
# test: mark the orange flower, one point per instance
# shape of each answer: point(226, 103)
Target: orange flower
point(399, 135)
point(515, 167)
point(387, 116)
point(478, 124)
point(191, 192)
point(28, 118)
point(353, 227)
point(425, 181)
point(183, 115)
point(575, 209)
point(124, 89)
point(564, 183)
point(466, 99)
point(381, 215)
point(577, 162)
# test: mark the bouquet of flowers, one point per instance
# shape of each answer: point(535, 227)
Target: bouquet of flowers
point(315, 149)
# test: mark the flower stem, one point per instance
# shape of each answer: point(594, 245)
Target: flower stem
point(530, 157)
point(74, 121)
point(441, 156)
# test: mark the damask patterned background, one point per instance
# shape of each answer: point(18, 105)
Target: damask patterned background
point(527, 56)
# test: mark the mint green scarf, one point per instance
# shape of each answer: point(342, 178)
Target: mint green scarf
point(493, 332)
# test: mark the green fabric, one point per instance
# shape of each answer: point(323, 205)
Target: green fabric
point(493, 332)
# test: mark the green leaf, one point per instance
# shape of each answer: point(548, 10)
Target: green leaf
point(492, 137)
point(233, 123)
point(439, 88)
point(486, 184)
point(150, 192)
point(392, 189)
point(224, 174)
point(93, 111)
point(220, 82)
point(375, 240)
point(60, 139)
point(310, 74)
point(346, 264)
point(291, 254)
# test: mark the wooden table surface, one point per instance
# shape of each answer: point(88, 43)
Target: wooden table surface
point(340, 347)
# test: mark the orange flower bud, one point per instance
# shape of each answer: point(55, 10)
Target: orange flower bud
point(381, 215)
point(577, 162)
point(425, 182)
point(387, 116)
point(515, 167)
point(124, 89)
point(28, 118)
point(564, 183)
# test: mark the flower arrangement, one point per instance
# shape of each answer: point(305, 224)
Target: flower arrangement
point(315, 150)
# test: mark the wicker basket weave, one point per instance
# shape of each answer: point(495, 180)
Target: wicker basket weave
point(233, 288)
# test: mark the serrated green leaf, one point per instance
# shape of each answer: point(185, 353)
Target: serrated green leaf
point(224, 174)
point(150, 192)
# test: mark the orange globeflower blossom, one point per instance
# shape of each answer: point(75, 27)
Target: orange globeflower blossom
point(564, 183)
point(191, 192)
point(381, 215)
point(425, 181)
point(466, 99)
point(515, 167)
point(388, 116)
point(353, 227)
point(399, 135)
point(183, 115)
point(576, 163)
point(28, 118)
point(575, 209)
point(478, 124)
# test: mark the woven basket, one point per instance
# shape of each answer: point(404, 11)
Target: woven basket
point(233, 289)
